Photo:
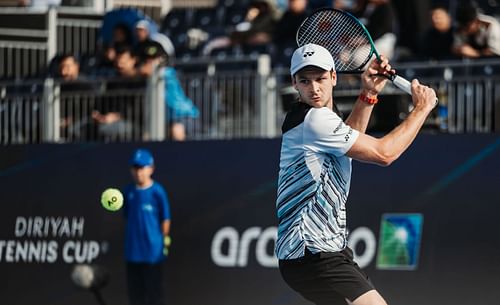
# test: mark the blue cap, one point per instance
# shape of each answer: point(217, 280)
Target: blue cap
point(142, 157)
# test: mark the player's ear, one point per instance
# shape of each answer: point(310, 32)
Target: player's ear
point(294, 82)
point(334, 77)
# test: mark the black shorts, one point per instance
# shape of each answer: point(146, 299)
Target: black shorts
point(326, 278)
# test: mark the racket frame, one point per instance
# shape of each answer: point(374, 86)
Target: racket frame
point(398, 81)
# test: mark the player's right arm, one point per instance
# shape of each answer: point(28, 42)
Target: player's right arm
point(165, 227)
point(164, 209)
point(383, 151)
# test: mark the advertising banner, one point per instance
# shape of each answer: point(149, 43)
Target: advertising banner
point(424, 229)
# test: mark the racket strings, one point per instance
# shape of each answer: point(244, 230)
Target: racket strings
point(340, 34)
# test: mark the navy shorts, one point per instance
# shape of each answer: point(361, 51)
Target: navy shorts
point(326, 278)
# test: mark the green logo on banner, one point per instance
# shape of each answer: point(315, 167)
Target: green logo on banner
point(399, 241)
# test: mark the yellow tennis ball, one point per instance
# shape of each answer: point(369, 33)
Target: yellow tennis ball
point(112, 199)
point(167, 241)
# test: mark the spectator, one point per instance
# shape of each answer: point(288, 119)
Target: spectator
point(105, 62)
point(438, 40)
point(147, 215)
point(121, 35)
point(379, 19)
point(107, 57)
point(109, 115)
point(259, 24)
point(145, 36)
point(317, 4)
point(68, 68)
point(180, 109)
point(151, 55)
point(478, 35)
point(142, 30)
point(287, 26)
point(256, 30)
point(125, 61)
point(108, 120)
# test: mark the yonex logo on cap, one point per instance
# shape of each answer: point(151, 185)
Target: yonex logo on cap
point(308, 53)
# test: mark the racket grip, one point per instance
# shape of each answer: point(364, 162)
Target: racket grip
point(402, 84)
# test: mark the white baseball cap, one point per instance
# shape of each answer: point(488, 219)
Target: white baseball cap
point(142, 24)
point(311, 55)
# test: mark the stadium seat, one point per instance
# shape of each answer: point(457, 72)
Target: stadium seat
point(256, 50)
point(177, 21)
point(208, 17)
point(281, 55)
point(179, 39)
point(184, 53)
point(234, 15)
point(489, 7)
point(234, 3)
point(222, 53)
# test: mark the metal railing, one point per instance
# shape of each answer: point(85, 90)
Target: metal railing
point(468, 93)
point(77, 30)
point(29, 39)
point(237, 99)
point(21, 117)
point(468, 90)
point(25, 41)
point(238, 104)
point(109, 110)
point(234, 103)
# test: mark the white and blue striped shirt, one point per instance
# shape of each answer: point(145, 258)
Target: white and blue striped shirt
point(314, 182)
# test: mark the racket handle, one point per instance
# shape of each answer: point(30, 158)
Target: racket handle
point(402, 84)
point(405, 85)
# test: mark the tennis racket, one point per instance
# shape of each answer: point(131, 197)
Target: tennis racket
point(346, 38)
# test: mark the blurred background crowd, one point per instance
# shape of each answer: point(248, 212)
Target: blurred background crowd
point(132, 41)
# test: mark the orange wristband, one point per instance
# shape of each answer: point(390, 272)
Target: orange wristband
point(370, 100)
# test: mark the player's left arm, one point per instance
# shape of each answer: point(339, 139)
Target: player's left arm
point(371, 86)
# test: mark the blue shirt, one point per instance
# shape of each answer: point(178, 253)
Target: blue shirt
point(145, 210)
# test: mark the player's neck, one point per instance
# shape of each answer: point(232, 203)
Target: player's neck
point(329, 104)
point(144, 184)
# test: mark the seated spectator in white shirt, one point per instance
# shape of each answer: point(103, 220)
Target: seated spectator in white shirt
point(478, 35)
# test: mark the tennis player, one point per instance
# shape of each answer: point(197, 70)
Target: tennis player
point(315, 173)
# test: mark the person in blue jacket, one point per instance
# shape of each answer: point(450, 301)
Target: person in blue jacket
point(147, 214)
point(180, 109)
